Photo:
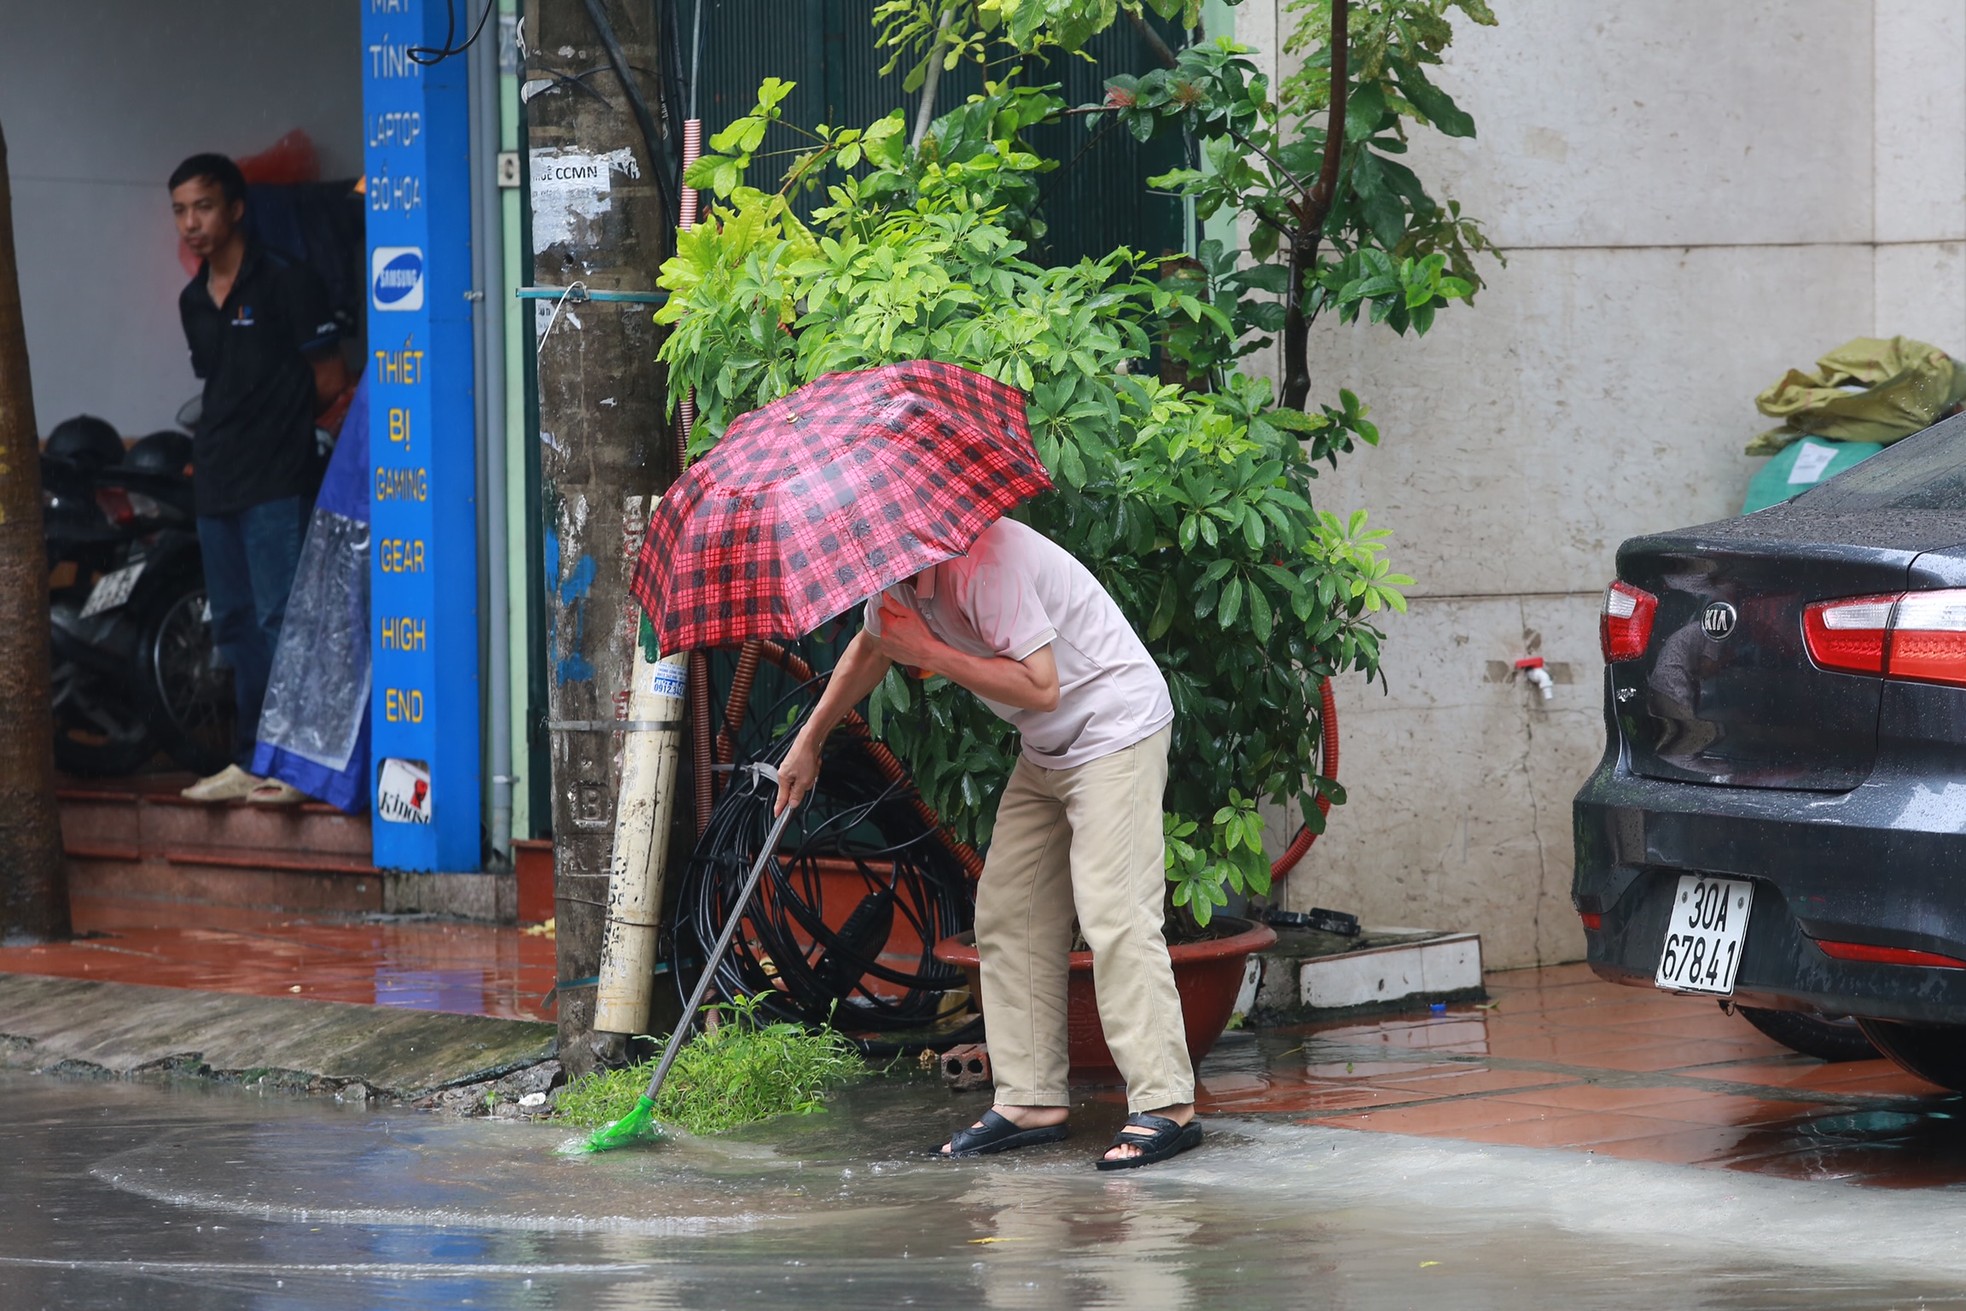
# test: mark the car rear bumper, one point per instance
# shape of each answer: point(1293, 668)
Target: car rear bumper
point(1883, 864)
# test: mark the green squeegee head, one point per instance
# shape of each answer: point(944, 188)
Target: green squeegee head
point(638, 1126)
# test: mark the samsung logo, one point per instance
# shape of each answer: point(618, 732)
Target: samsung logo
point(396, 278)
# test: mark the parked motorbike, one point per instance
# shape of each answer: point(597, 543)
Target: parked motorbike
point(135, 669)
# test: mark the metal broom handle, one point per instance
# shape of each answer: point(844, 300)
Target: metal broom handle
point(695, 1001)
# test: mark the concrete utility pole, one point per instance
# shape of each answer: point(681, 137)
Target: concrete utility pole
point(33, 880)
point(601, 188)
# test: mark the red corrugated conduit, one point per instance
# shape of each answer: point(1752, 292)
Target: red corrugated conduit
point(1328, 762)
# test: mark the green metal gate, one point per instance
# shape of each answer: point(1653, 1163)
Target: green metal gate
point(1092, 203)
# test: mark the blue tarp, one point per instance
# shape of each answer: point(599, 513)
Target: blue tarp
point(314, 726)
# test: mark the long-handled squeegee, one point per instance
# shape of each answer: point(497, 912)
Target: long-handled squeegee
point(639, 1124)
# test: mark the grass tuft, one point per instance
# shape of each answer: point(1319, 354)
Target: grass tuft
point(741, 1072)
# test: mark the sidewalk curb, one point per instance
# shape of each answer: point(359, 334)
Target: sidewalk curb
point(130, 1030)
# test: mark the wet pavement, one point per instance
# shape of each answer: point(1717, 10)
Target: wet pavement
point(1555, 1058)
point(1565, 1143)
point(414, 962)
point(193, 1196)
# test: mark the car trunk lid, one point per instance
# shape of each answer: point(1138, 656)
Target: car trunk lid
point(1725, 691)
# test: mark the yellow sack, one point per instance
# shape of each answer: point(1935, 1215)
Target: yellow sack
point(1907, 385)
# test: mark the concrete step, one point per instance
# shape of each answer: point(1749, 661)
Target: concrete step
point(226, 880)
point(1309, 976)
point(137, 839)
point(100, 821)
point(173, 822)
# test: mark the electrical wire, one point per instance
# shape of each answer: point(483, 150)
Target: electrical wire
point(428, 55)
point(810, 963)
point(674, 73)
point(657, 140)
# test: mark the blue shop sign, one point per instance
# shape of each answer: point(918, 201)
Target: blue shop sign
point(423, 511)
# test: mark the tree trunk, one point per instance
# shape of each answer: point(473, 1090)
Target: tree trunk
point(1312, 211)
point(604, 445)
point(33, 880)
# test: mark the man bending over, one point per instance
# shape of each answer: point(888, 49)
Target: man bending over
point(1026, 627)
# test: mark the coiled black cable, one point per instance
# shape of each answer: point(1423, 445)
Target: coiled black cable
point(858, 977)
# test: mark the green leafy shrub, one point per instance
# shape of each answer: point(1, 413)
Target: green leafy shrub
point(1190, 499)
point(738, 1073)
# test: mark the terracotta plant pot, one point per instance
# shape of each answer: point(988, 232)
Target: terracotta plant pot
point(1207, 974)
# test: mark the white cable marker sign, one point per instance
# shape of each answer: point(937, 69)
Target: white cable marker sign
point(571, 188)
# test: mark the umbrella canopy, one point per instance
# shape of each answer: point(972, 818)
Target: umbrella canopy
point(824, 497)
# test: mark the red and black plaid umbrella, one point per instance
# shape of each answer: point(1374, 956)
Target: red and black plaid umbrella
point(824, 497)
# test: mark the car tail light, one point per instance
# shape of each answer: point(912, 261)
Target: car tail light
point(1928, 638)
point(1593, 920)
point(1873, 955)
point(1917, 637)
point(1849, 635)
point(1625, 627)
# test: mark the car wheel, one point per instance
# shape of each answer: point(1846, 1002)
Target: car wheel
point(1825, 1037)
point(1935, 1053)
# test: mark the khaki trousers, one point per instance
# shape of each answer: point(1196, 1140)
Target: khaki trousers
point(1086, 838)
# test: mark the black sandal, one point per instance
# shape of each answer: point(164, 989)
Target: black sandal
point(997, 1133)
point(1169, 1138)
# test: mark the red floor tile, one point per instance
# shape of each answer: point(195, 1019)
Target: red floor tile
point(1555, 1129)
point(473, 969)
point(1436, 1081)
point(1601, 1097)
point(1725, 1109)
point(1569, 1062)
point(1454, 1119)
point(1678, 1147)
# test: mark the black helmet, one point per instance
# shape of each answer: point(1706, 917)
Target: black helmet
point(166, 451)
point(86, 440)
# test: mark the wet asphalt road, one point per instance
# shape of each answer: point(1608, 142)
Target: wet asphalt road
point(152, 1197)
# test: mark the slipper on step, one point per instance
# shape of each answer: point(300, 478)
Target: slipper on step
point(275, 792)
point(998, 1133)
point(1165, 1138)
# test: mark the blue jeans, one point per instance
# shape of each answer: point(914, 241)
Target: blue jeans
point(250, 559)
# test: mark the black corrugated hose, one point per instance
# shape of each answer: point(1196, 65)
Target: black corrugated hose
point(810, 973)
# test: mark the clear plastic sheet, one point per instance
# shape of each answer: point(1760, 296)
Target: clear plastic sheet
point(318, 692)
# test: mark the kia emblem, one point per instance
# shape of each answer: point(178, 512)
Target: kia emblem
point(1718, 620)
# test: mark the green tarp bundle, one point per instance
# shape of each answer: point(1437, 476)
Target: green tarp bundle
point(1800, 466)
point(1868, 390)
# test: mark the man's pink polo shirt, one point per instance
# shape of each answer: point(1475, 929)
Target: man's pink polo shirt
point(1017, 591)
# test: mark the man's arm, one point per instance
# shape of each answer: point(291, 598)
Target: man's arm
point(316, 332)
point(1028, 684)
point(330, 377)
point(859, 672)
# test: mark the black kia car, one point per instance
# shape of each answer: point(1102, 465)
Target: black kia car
point(1779, 820)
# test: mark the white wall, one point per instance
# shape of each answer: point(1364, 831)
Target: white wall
point(1693, 197)
point(100, 100)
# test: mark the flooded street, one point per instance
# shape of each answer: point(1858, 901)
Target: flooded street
point(164, 1197)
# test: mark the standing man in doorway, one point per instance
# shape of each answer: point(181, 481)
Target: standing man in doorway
point(1022, 624)
point(265, 342)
